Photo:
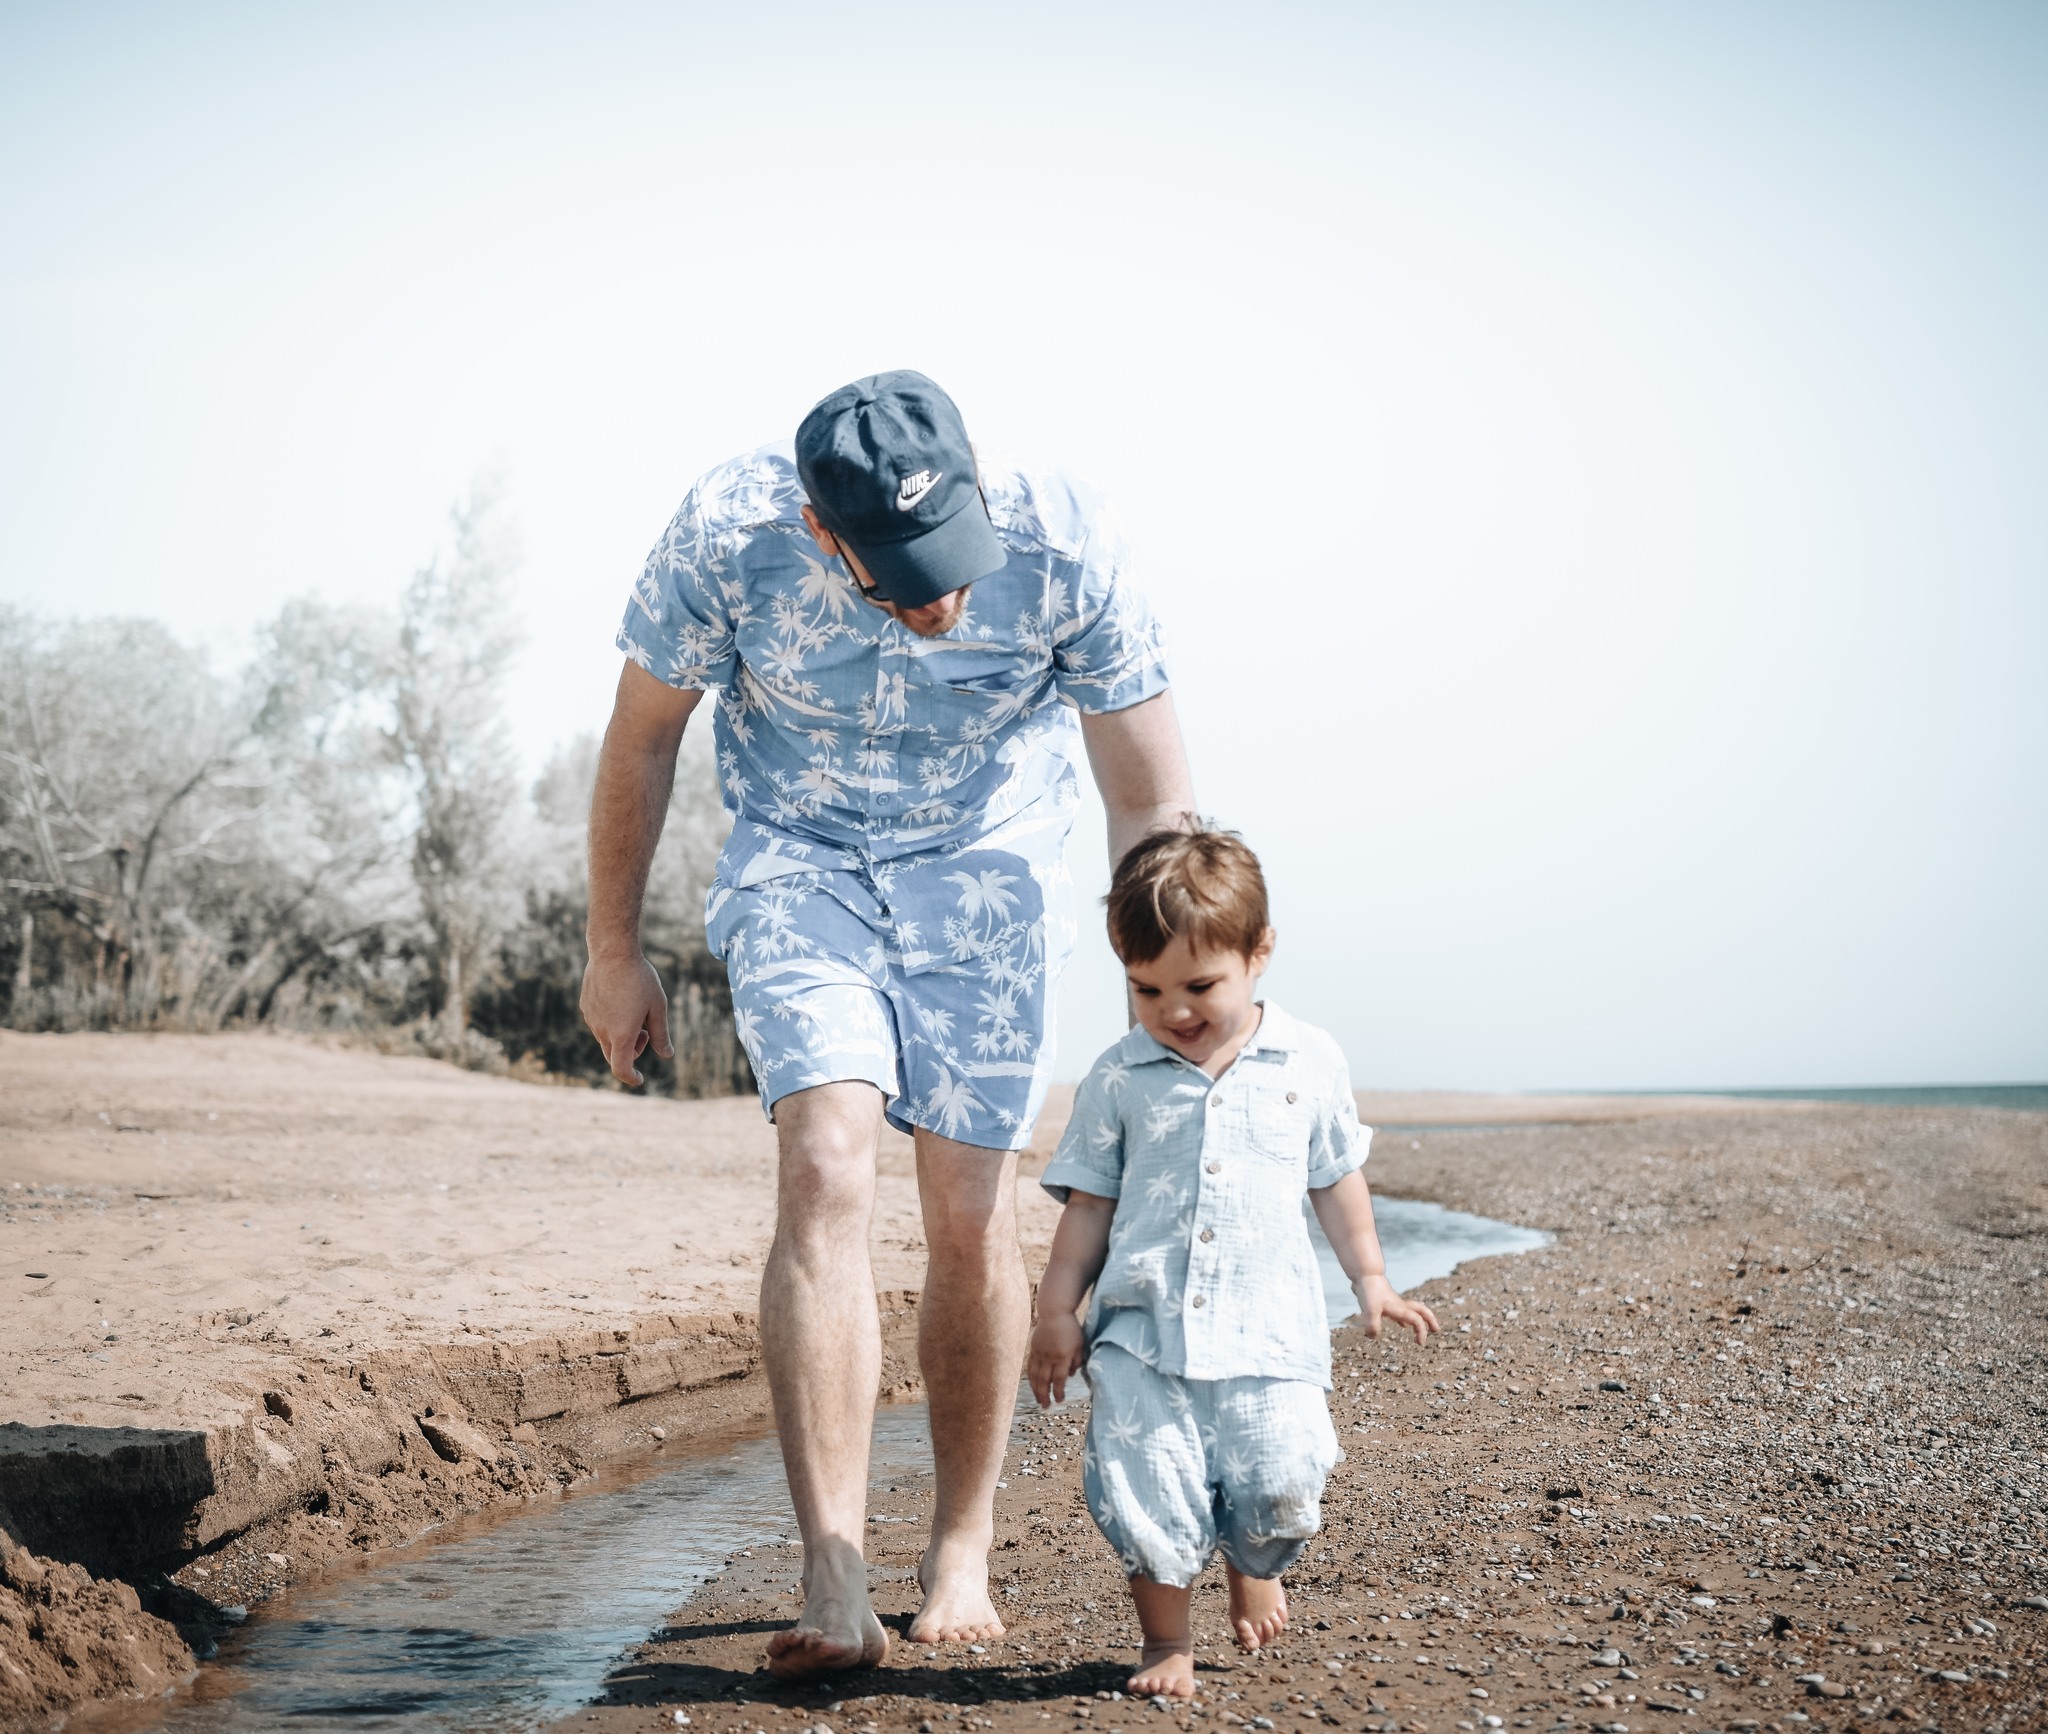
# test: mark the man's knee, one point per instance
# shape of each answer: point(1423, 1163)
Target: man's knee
point(827, 1157)
point(969, 1198)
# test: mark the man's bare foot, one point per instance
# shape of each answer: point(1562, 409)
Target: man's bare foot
point(957, 1608)
point(1164, 1671)
point(837, 1631)
point(1258, 1608)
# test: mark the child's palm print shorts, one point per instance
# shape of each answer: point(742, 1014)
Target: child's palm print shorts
point(1177, 1468)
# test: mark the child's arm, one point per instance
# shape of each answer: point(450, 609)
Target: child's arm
point(1079, 1245)
point(1345, 1211)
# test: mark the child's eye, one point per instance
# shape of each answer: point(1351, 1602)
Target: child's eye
point(1144, 992)
point(1200, 986)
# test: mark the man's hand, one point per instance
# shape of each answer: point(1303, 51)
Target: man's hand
point(622, 1001)
point(627, 1011)
point(1057, 1352)
point(1379, 1300)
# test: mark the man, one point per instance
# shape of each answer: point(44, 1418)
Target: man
point(908, 655)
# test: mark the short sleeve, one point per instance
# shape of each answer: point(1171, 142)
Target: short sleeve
point(679, 624)
point(1338, 1144)
point(1091, 1153)
point(1108, 651)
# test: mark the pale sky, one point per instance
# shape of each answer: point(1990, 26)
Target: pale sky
point(1587, 457)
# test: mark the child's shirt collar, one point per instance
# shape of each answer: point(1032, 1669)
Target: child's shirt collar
point(1277, 1034)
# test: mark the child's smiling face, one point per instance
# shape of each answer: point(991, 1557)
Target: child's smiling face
point(1200, 1004)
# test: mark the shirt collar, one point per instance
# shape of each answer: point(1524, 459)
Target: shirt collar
point(1277, 1033)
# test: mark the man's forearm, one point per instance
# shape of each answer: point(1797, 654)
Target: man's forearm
point(627, 810)
point(1141, 769)
point(1129, 826)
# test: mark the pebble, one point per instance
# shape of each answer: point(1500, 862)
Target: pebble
point(657, 1434)
point(1612, 1385)
point(1955, 1676)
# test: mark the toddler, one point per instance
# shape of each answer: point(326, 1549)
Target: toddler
point(1182, 1171)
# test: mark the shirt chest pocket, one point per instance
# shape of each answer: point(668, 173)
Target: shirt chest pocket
point(1280, 1117)
point(977, 676)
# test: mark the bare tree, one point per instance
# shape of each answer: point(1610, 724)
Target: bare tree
point(456, 639)
point(127, 758)
point(333, 818)
point(330, 837)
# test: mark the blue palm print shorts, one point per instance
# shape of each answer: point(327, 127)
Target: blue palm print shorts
point(823, 993)
point(1175, 1469)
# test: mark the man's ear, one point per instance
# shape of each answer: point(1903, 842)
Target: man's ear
point(819, 534)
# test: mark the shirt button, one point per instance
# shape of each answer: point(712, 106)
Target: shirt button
point(1290, 1096)
point(1197, 1301)
point(1214, 1168)
point(1216, 1101)
point(1208, 1234)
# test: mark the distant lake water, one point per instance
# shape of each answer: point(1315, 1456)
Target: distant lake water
point(2032, 1098)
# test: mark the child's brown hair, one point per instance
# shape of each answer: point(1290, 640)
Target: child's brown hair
point(1199, 885)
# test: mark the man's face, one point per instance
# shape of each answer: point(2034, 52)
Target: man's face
point(933, 620)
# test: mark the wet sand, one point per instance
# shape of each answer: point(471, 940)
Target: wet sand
point(1758, 1443)
point(346, 1296)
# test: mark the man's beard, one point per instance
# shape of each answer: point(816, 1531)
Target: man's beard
point(959, 614)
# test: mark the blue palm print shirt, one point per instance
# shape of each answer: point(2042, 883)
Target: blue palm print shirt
point(1210, 1272)
point(939, 771)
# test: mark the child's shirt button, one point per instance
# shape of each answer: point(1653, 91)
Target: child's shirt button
point(1215, 1168)
point(1197, 1301)
point(1208, 1234)
point(1216, 1101)
point(1291, 1096)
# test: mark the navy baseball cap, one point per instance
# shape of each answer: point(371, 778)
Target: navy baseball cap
point(888, 468)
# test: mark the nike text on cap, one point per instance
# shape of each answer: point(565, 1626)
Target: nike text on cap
point(887, 466)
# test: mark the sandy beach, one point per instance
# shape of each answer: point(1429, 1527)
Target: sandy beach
point(1756, 1442)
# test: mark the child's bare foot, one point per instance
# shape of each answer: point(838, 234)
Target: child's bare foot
point(1164, 1671)
point(1258, 1608)
point(1166, 1666)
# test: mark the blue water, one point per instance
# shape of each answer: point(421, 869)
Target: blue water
point(2031, 1098)
point(510, 1621)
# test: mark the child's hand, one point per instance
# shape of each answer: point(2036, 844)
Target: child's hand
point(1057, 1351)
point(1379, 1300)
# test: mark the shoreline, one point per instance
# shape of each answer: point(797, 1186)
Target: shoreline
point(200, 1131)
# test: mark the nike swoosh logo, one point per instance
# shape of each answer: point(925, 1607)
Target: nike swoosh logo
point(914, 488)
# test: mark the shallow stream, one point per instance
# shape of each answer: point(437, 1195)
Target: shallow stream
point(513, 1619)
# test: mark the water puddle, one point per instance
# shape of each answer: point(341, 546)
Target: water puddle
point(512, 1620)
point(1421, 1241)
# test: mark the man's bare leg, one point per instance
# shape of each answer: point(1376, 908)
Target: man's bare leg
point(972, 1328)
point(822, 1343)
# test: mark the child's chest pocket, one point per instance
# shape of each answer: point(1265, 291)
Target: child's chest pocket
point(1281, 1117)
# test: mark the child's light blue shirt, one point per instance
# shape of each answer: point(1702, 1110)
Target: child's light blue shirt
point(1211, 1273)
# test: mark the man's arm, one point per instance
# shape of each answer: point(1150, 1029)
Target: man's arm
point(623, 1001)
point(1141, 769)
